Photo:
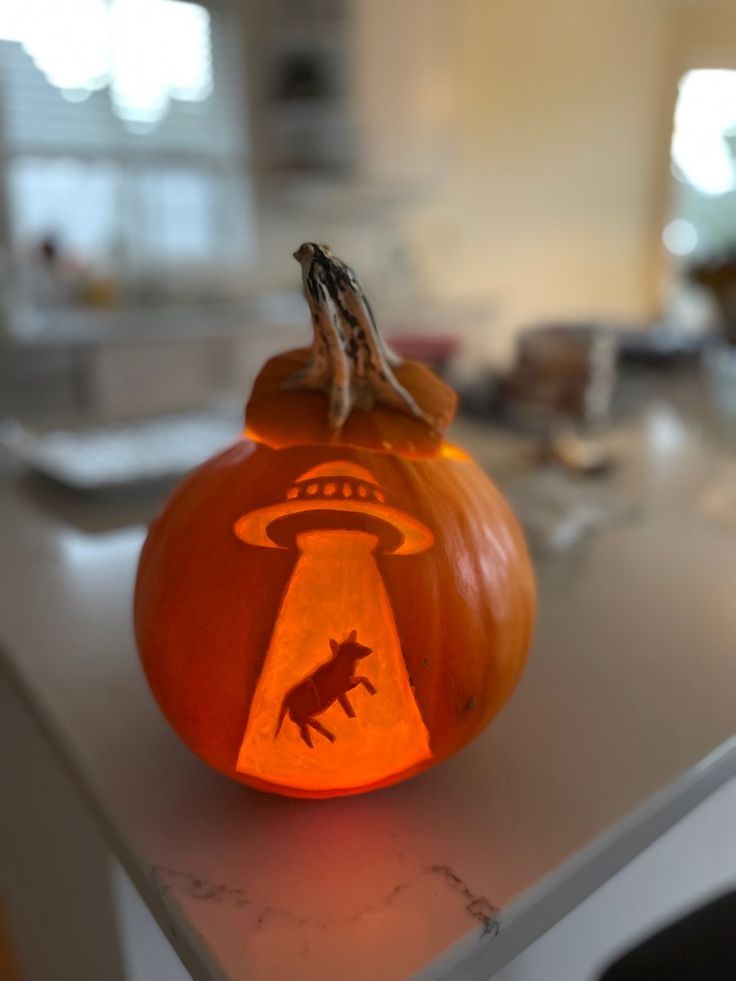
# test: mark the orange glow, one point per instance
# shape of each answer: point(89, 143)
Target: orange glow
point(254, 527)
point(448, 451)
point(333, 707)
point(339, 468)
point(335, 589)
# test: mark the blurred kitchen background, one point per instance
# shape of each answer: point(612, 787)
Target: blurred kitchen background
point(487, 168)
point(535, 196)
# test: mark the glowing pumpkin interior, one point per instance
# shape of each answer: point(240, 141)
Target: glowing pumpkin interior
point(333, 706)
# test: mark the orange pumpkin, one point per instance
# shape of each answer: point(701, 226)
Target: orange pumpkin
point(341, 599)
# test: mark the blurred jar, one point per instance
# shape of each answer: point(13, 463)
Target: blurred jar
point(719, 362)
point(563, 372)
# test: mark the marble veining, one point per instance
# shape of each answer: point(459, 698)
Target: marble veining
point(193, 887)
point(479, 907)
point(187, 885)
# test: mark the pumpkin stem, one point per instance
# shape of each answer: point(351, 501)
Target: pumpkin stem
point(349, 360)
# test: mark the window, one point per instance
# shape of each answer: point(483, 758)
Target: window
point(124, 140)
point(703, 205)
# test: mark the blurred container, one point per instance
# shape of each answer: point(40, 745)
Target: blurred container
point(719, 362)
point(659, 345)
point(717, 275)
point(563, 372)
point(434, 351)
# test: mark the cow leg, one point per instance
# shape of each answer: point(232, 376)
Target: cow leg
point(346, 706)
point(368, 685)
point(321, 729)
point(304, 733)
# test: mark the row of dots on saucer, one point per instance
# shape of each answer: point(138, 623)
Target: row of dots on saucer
point(334, 489)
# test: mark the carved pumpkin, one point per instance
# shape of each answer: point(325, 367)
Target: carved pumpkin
point(342, 598)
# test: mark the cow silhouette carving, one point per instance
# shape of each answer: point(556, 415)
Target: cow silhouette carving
point(329, 682)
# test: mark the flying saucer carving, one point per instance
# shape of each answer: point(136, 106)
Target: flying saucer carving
point(338, 487)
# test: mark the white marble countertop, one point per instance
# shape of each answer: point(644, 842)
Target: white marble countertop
point(632, 680)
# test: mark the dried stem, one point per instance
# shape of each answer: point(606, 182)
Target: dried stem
point(350, 361)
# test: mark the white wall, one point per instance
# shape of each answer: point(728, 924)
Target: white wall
point(522, 148)
point(549, 204)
